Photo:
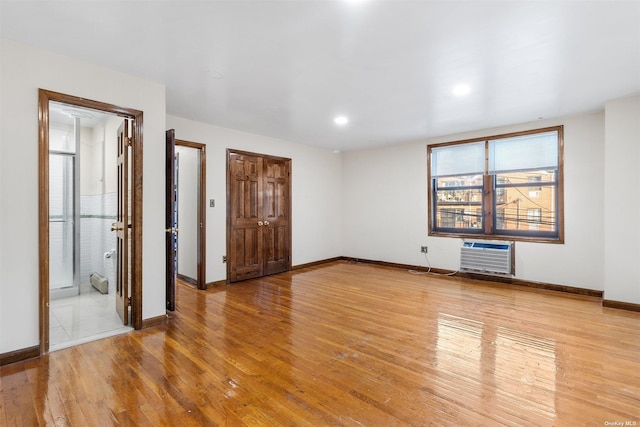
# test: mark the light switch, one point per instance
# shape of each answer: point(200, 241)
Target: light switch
point(212, 203)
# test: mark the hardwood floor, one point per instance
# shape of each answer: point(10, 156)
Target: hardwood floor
point(346, 344)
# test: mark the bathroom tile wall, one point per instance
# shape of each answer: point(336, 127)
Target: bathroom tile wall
point(97, 241)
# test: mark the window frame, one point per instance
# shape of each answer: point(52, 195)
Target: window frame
point(490, 194)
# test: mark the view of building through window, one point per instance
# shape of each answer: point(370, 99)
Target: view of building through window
point(518, 204)
point(516, 195)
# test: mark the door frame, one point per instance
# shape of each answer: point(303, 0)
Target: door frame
point(44, 97)
point(202, 211)
point(230, 152)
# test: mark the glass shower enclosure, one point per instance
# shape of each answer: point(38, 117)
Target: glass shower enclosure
point(64, 212)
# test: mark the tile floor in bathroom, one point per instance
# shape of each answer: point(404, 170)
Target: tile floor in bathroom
point(83, 318)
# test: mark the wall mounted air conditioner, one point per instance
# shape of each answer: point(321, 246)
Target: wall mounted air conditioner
point(487, 257)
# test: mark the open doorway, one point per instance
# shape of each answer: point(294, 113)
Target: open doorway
point(191, 212)
point(90, 182)
point(185, 215)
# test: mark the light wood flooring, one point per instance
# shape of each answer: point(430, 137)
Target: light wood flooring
point(346, 345)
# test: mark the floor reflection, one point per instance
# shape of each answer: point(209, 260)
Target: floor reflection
point(509, 367)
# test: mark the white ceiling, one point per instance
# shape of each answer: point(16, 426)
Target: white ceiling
point(286, 68)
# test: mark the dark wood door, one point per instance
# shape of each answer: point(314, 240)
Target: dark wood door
point(258, 215)
point(275, 190)
point(171, 220)
point(244, 260)
point(121, 226)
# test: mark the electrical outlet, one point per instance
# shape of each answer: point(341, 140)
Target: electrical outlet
point(224, 258)
point(424, 249)
point(212, 203)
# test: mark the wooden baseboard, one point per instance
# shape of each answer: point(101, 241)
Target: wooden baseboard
point(559, 288)
point(217, 283)
point(19, 355)
point(621, 305)
point(397, 265)
point(224, 282)
point(536, 285)
point(507, 280)
point(316, 263)
point(154, 321)
point(187, 279)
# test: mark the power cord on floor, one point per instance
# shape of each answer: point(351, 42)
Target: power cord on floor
point(429, 269)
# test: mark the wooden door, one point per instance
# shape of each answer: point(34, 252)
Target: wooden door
point(276, 215)
point(170, 219)
point(258, 215)
point(244, 260)
point(121, 226)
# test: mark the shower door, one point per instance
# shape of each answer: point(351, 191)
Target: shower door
point(63, 225)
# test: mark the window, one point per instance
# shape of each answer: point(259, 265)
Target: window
point(505, 186)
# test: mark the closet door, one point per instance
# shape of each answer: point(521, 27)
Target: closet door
point(276, 215)
point(244, 239)
point(258, 215)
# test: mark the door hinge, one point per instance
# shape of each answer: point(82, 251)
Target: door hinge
point(129, 141)
point(129, 301)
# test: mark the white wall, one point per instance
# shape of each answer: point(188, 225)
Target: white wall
point(316, 195)
point(24, 70)
point(98, 157)
point(90, 160)
point(188, 181)
point(385, 207)
point(622, 204)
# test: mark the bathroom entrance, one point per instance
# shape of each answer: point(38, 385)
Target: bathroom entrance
point(89, 222)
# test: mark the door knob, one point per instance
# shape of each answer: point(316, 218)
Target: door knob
point(172, 230)
point(260, 223)
point(266, 223)
point(114, 227)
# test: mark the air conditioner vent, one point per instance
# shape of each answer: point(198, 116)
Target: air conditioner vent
point(486, 257)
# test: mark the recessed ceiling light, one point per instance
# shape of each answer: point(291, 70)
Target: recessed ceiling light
point(461, 89)
point(341, 120)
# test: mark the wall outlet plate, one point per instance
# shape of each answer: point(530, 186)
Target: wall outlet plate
point(424, 249)
point(224, 258)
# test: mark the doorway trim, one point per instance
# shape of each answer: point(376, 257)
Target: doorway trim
point(44, 97)
point(202, 212)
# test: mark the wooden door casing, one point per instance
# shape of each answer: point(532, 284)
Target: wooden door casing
point(136, 120)
point(201, 210)
point(258, 215)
